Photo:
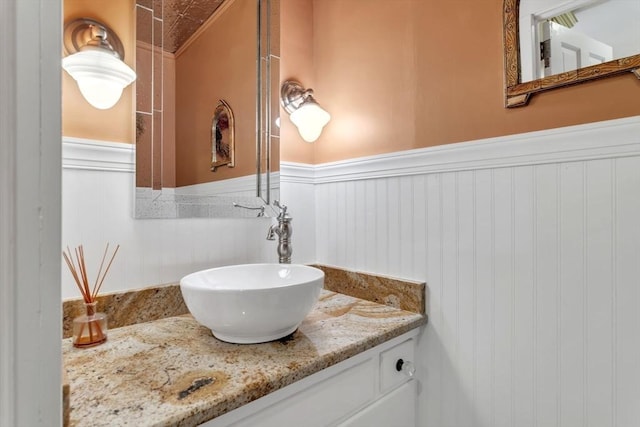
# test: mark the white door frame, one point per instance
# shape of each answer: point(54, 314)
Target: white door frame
point(30, 200)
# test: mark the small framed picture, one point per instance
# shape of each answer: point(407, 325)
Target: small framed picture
point(222, 143)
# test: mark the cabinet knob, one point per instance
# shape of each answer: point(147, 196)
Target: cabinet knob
point(406, 367)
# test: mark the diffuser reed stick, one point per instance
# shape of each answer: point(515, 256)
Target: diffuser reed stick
point(89, 329)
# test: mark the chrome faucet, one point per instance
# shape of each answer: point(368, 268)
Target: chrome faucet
point(284, 230)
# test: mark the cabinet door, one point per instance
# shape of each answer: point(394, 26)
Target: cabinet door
point(323, 403)
point(397, 409)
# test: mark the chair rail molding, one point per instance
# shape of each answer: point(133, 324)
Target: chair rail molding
point(91, 154)
point(598, 140)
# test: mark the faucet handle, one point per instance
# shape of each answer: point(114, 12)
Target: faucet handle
point(283, 208)
point(257, 208)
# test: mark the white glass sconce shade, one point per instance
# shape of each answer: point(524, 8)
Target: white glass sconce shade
point(94, 60)
point(308, 116)
point(101, 76)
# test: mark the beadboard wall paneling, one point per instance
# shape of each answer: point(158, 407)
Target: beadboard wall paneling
point(531, 267)
point(97, 207)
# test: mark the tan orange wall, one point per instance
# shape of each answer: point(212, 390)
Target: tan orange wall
point(296, 47)
point(404, 74)
point(220, 64)
point(79, 118)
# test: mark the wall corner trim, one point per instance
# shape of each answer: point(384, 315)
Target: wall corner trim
point(89, 154)
point(599, 140)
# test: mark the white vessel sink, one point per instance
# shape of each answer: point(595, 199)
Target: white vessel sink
point(252, 303)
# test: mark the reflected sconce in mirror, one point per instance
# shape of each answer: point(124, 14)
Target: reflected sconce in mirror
point(304, 111)
point(95, 60)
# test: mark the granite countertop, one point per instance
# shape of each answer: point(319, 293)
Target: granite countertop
point(172, 371)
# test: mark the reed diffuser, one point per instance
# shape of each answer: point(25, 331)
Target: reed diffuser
point(90, 328)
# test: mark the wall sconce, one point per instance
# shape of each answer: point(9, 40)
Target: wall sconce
point(308, 116)
point(94, 60)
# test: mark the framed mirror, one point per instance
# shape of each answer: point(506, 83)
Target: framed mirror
point(206, 67)
point(545, 49)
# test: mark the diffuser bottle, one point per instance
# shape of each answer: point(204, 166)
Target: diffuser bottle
point(90, 328)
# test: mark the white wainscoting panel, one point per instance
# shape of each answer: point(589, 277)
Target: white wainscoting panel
point(531, 266)
point(97, 208)
point(532, 271)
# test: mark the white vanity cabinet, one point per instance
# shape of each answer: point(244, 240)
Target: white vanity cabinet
point(397, 406)
point(397, 409)
point(371, 389)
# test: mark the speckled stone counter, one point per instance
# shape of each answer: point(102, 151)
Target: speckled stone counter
point(172, 371)
point(399, 293)
point(129, 307)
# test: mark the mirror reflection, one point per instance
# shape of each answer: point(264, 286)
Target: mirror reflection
point(557, 37)
point(531, 53)
point(193, 57)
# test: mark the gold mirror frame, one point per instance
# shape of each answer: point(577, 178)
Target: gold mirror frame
point(517, 94)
